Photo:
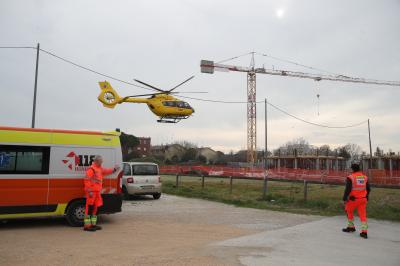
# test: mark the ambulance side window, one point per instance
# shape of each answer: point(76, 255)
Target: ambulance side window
point(16, 159)
point(127, 169)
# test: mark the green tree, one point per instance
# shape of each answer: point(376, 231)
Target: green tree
point(189, 155)
point(202, 159)
point(128, 143)
point(174, 159)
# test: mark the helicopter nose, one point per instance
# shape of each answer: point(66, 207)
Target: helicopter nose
point(192, 109)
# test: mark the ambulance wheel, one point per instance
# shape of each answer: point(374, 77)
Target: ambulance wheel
point(76, 213)
point(157, 195)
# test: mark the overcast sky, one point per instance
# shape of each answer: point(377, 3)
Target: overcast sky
point(162, 43)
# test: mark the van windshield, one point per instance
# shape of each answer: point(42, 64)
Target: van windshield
point(145, 170)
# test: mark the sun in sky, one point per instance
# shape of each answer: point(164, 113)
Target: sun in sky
point(280, 12)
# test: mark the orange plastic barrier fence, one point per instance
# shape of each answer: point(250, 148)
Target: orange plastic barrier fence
point(379, 177)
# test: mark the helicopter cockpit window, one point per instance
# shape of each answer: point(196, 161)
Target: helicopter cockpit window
point(169, 103)
point(177, 104)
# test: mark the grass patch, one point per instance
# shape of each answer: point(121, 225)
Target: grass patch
point(283, 196)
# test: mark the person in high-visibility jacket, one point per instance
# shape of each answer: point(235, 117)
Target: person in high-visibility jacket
point(93, 183)
point(356, 197)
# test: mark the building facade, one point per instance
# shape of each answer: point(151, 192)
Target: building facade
point(144, 147)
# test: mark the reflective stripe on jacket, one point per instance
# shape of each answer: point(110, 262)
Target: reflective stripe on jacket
point(94, 177)
point(358, 185)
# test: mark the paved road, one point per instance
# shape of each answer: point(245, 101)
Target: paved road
point(180, 231)
point(320, 243)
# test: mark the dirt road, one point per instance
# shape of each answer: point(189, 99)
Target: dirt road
point(169, 231)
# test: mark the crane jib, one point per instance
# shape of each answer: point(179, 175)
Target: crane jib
point(208, 66)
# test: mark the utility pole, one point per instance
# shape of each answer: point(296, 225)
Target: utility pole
point(370, 146)
point(265, 152)
point(266, 136)
point(35, 88)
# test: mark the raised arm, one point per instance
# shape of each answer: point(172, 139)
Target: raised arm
point(109, 171)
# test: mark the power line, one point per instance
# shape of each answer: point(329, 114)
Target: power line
point(17, 47)
point(312, 123)
point(280, 110)
point(75, 64)
point(92, 70)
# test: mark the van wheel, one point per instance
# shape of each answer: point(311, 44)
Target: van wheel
point(125, 193)
point(157, 195)
point(76, 213)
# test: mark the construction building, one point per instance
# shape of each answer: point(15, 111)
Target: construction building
point(309, 162)
point(386, 164)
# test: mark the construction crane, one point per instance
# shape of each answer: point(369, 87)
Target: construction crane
point(209, 67)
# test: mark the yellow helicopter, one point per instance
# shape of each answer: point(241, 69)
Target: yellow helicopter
point(168, 108)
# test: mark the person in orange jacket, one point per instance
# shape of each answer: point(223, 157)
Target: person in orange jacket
point(356, 197)
point(93, 183)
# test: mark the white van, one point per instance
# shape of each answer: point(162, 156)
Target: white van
point(141, 178)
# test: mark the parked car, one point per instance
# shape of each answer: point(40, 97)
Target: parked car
point(141, 179)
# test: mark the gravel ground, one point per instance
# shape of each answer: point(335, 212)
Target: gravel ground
point(169, 231)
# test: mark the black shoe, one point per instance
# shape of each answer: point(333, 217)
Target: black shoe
point(89, 229)
point(364, 235)
point(96, 227)
point(349, 229)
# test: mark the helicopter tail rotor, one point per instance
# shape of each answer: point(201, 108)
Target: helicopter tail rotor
point(108, 96)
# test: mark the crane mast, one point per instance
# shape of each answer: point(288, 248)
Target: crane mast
point(251, 114)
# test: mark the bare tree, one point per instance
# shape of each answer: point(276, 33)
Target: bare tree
point(354, 150)
point(379, 151)
point(300, 145)
point(186, 144)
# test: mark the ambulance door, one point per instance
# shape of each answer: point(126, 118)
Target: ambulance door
point(24, 179)
point(68, 168)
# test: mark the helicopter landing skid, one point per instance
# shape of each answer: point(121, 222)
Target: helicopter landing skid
point(171, 120)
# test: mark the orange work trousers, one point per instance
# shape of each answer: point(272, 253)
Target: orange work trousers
point(360, 205)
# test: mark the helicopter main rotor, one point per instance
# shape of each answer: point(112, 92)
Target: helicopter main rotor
point(160, 91)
